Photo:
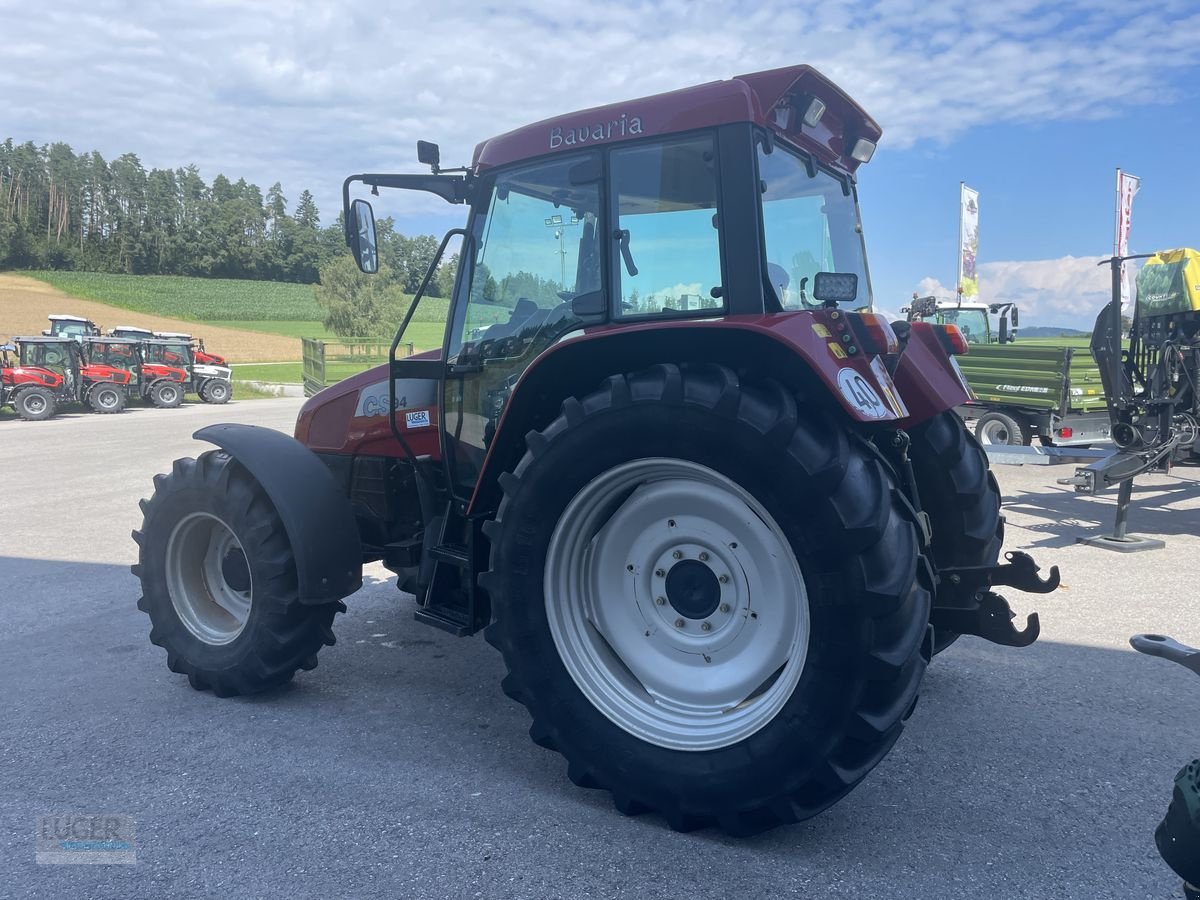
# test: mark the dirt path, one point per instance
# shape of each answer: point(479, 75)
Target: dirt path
point(25, 303)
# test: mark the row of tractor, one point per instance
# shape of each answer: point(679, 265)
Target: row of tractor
point(73, 361)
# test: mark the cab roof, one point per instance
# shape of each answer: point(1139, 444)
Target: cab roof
point(63, 317)
point(775, 99)
point(41, 339)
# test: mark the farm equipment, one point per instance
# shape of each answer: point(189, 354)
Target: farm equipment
point(52, 371)
point(157, 383)
point(1178, 835)
point(210, 382)
point(1151, 388)
point(199, 354)
point(71, 326)
point(716, 544)
point(131, 331)
point(1023, 392)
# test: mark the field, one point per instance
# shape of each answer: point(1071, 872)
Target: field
point(195, 299)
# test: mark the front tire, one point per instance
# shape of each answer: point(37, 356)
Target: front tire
point(166, 394)
point(797, 689)
point(35, 404)
point(960, 495)
point(219, 581)
point(106, 398)
point(998, 428)
point(215, 391)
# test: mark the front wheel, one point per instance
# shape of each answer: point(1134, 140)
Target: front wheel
point(166, 394)
point(219, 581)
point(34, 404)
point(106, 398)
point(215, 391)
point(708, 599)
point(1002, 429)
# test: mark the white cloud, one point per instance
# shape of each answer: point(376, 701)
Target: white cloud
point(1068, 292)
point(309, 91)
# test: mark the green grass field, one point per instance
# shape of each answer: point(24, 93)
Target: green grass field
point(197, 299)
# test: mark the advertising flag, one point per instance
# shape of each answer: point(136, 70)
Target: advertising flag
point(968, 240)
point(1127, 188)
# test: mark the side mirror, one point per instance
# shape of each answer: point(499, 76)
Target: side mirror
point(429, 154)
point(832, 288)
point(1016, 322)
point(360, 231)
point(1004, 335)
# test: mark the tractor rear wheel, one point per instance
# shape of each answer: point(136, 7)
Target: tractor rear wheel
point(960, 495)
point(34, 404)
point(166, 394)
point(708, 598)
point(107, 398)
point(215, 391)
point(219, 581)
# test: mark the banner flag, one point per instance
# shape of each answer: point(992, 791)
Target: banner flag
point(1127, 188)
point(968, 240)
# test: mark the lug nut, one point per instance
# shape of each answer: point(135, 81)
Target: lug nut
point(661, 601)
point(703, 557)
point(660, 573)
point(678, 554)
point(679, 623)
point(724, 579)
point(724, 607)
point(706, 626)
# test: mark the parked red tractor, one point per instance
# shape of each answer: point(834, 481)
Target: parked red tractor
point(156, 382)
point(716, 527)
point(52, 371)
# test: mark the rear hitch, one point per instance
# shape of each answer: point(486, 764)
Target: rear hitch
point(967, 605)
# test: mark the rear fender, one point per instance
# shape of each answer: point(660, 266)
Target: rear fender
point(803, 350)
point(927, 378)
point(316, 514)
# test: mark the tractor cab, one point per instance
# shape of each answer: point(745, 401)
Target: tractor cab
point(116, 353)
point(621, 220)
point(200, 356)
point(77, 327)
point(131, 331)
point(970, 317)
point(62, 356)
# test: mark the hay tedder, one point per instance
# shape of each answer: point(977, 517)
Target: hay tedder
point(716, 525)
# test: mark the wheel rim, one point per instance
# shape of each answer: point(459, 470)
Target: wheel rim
point(218, 391)
point(35, 403)
point(995, 431)
point(107, 399)
point(676, 604)
point(167, 394)
point(208, 578)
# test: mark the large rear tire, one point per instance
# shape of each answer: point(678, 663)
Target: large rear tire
point(792, 549)
point(219, 581)
point(35, 404)
point(960, 495)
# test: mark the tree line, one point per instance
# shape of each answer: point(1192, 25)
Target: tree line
point(65, 210)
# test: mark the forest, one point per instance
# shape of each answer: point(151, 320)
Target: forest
point(65, 210)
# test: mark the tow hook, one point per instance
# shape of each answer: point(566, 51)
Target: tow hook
point(965, 603)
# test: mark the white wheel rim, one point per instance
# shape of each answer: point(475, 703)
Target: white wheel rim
point(168, 394)
point(35, 403)
point(693, 658)
point(218, 390)
point(994, 432)
point(211, 596)
point(107, 398)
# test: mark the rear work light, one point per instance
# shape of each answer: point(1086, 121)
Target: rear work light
point(875, 333)
point(952, 339)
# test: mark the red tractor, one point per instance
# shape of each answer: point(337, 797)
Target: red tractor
point(716, 525)
point(199, 353)
point(159, 383)
point(52, 371)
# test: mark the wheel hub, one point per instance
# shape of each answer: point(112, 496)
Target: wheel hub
point(208, 578)
point(693, 589)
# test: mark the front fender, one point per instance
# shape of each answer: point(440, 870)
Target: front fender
point(316, 514)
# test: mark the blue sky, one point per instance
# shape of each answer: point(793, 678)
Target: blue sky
point(1034, 104)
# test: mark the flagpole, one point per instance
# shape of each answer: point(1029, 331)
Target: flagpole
point(1117, 218)
point(958, 281)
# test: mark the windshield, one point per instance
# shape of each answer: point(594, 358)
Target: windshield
point(811, 225)
point(118, 355)
point(170, 354)
point(50, 356)
point(972, 323)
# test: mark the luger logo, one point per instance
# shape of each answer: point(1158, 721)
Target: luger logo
point(601, 131)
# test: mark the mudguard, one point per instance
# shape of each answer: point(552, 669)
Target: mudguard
point(316, 514)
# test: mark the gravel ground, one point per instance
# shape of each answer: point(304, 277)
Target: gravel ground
point(397, 767)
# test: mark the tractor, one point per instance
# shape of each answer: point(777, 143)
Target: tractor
point(199, 353)
point(211, 383)
point(72, 326)
point(159, 384)
point(717, 542)
point(53, 371)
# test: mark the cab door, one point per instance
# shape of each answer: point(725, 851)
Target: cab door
point(533, 267)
